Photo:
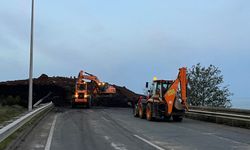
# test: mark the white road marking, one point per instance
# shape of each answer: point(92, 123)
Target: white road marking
point(118, 146)
point(105, 119)
point(106, 137)
point(43, 134)
point(230, 140)
point(49, 140)
point(152, 144)
point(91, 110)
point(213, 134)
point(208, 133)
point(37, 146)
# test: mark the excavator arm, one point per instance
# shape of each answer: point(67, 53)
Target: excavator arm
point(171, 93)
point(88, 76)
point(101, 85)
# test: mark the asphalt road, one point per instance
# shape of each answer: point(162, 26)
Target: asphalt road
point(117, 129)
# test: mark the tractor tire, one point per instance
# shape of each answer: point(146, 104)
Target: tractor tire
point(141, 112)
point(149, 111)
point(177, 118)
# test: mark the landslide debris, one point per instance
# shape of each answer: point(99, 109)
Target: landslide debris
point(62, 89)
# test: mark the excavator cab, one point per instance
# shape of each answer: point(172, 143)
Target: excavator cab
point(82, 86)
point(81, 96)
point(86, 91)
point(160, 87)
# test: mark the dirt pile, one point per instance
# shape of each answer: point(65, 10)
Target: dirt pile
point(62, 89)
point(126, 94)
point(123, 98)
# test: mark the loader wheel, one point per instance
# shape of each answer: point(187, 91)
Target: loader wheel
point(149, 112)
point(135, 111)
point(141, 114)
point(177, 118)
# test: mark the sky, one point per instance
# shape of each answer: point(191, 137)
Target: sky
point(128, 42)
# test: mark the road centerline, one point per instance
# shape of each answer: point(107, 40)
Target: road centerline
point(148, 142)
point(105, 119)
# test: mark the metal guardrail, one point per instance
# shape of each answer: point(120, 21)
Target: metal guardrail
point(224, 110)
point(41, 100)
point(232, 117)
point(9, 129)
point(220, 114)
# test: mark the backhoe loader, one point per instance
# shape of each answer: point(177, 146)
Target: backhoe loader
point(165, 99)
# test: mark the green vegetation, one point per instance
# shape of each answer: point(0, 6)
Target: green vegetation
point(22, 130)
point(10, 100)
point(8, 112)
point(205, 87)
point(9, 108)
point(8, 140)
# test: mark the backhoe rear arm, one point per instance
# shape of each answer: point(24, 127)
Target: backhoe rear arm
point(170, 95)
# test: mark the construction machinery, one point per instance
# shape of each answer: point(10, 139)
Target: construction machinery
point(85, 91)
point(165, 99)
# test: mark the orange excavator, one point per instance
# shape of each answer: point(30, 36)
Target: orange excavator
point(165, 99)
point(85, 91)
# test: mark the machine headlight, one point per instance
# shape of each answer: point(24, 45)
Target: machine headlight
point(85, 96)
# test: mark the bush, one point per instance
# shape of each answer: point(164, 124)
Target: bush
point(10, 100)
point(1, 98)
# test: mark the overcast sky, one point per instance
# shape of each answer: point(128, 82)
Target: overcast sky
point(127, 42)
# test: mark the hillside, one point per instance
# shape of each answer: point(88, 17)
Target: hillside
point(62, 89)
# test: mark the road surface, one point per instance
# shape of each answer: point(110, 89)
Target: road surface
point(117, 129)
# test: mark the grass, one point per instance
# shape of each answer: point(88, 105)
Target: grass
point(7, 141)
point(4, 144)
point(8, 112)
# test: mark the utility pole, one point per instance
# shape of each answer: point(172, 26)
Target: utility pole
point(31, 58)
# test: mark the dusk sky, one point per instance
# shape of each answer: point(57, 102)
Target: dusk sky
point(128, 42)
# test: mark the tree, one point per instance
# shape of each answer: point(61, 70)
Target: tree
point(204, 87)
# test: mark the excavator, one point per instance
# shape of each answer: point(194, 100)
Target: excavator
point(165, 99)
point(86, 91)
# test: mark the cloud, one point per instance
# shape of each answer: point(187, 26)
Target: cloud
point(126, 42)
